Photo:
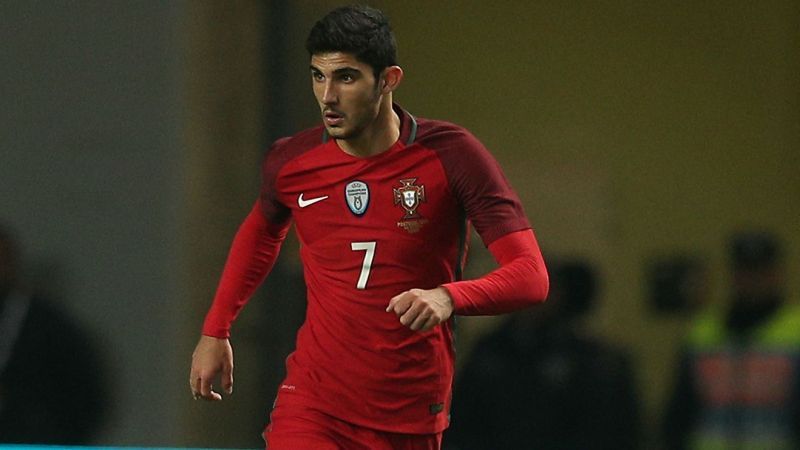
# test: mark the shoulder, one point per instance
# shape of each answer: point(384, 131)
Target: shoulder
point(440, 135)
point(707, 327)
point(785, 327)
point(287, 148)
point(791, 314)
point(456, 147)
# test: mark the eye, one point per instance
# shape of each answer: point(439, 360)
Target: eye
point(318, 76)
point(346, 78)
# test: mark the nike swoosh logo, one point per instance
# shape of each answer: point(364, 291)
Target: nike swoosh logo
point(303, 202)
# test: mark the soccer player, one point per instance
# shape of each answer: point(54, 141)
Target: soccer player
point(381, 202)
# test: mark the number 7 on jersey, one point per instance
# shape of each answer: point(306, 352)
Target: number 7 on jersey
point(366, 266)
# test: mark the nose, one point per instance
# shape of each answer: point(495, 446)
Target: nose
point(329, 94)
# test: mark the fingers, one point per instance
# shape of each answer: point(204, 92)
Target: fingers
point(425, 322)
point(203, 388)
point(227, 379)
point(194, 385)
point(212, 358)
point(416, 310)
point(207, 390)
point(399, 304)
point(416, 320)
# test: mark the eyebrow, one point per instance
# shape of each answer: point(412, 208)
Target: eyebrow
point(339, 71)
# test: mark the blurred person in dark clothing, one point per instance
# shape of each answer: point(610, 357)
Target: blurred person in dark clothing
point(558, 388)
point(51, 386)
point(738, 383)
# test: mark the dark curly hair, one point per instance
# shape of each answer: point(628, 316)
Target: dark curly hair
point(357, 29)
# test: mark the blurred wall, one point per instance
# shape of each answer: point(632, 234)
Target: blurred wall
point(131, 135)
point(90, 177)
point(224, 138)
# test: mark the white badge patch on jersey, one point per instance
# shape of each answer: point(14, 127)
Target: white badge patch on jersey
point(357, 195)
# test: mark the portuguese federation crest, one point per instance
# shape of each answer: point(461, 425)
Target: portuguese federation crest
point(409, 196)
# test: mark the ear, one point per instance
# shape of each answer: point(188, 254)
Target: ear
point(392, 76)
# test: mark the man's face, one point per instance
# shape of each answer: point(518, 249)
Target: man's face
point(347, 93)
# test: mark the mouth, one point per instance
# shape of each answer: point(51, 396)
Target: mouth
point(333, 118)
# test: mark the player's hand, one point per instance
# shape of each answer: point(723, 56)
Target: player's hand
point(421, 309)
point(212, 357)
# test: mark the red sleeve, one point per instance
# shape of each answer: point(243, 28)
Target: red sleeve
point(253, 253)
point(477, 180)
point(520, 281)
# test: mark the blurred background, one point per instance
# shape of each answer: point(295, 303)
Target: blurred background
point(639, 136)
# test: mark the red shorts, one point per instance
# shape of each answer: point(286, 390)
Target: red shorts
point(296, 427)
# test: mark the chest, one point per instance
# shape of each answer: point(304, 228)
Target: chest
point(402, 196)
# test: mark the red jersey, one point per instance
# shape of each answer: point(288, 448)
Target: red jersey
point(369, 229)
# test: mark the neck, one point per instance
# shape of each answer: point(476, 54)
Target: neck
point(379, 136)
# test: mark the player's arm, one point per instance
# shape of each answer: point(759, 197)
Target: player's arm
point(520, 281)
point(253, 253)
point(494, 208)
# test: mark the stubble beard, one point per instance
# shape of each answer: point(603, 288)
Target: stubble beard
point(342, 133)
